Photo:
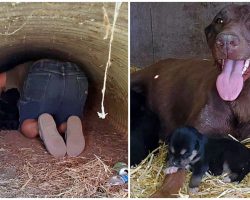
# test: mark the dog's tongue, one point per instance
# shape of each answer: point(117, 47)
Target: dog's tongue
point(230, 82)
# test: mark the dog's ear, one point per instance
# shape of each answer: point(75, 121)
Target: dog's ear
point(11, 96)
point(207, 31)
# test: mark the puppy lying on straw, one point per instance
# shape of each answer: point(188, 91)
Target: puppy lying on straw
point(190, 149)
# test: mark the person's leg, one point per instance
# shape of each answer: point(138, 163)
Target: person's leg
point(62, 128)
point(71, 111)
point(29, 128)
point(75, 141)
point(51, 138)
point(40, 97)
point(73, 101)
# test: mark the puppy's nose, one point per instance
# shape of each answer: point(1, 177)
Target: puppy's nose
point(228, 41)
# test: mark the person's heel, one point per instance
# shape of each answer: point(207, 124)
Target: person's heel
point(53, 141)
point(75, 141)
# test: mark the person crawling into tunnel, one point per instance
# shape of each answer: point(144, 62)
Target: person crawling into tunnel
point(52, 99)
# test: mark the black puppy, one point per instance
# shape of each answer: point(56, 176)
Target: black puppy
point(144, 128)
point(189, 148)
point(9, 114)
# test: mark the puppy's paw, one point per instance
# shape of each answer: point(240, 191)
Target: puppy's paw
point(193, 190)
point(227, 180)
point(188, 167)
point(170, 170)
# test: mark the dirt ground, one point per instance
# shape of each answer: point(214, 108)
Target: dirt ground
point(27, 170)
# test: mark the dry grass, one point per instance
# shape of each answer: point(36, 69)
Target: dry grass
point(148, 176)
point(213, 186)
point(73, 177)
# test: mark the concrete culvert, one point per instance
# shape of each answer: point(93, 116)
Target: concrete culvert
point(78, 33)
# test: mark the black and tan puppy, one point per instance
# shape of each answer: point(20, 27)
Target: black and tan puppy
point(189, 148)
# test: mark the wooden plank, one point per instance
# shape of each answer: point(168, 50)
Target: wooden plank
point(141, 48)
point(176, 30)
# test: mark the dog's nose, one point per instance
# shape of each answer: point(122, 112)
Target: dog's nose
point(228, 41)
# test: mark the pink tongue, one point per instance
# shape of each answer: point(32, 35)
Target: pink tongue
point(230, 82)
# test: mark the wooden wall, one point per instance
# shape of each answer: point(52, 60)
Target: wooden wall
point(164, 30)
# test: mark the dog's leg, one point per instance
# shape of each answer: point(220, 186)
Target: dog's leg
point(237, 177)
point(194, 183)
point(198, 172)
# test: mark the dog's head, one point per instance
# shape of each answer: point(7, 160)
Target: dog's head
point(228, 37)
point(184, 147)
point(10, 96)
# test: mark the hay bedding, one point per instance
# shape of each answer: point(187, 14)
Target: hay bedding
point(27, 170)
point(67, 178)
point(148, 176)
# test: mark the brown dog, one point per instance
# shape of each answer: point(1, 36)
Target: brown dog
point(195, 92)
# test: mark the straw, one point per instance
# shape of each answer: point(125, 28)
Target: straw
point(148, 176)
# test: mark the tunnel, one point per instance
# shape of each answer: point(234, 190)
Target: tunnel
point(79, 33)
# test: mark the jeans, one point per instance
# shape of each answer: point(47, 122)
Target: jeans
point(54, 87)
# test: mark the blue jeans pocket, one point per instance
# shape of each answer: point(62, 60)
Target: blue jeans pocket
point(35, 86)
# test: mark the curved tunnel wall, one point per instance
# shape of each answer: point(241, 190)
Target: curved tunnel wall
point(73, 32)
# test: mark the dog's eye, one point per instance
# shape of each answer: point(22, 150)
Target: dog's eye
point(219, 20)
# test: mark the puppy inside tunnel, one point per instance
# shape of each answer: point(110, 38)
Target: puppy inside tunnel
point(78, 33)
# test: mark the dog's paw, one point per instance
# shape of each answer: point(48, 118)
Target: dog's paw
point(171, 170)
point(227, 180)
point(188, 167)
point(193, 190)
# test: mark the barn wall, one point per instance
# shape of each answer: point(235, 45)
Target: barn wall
point(164, 30)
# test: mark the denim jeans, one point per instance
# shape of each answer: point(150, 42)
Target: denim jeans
point(54, 87)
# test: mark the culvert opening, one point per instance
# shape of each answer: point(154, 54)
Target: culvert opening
point(103, 140)
point(29, 55)
point(69, 32)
